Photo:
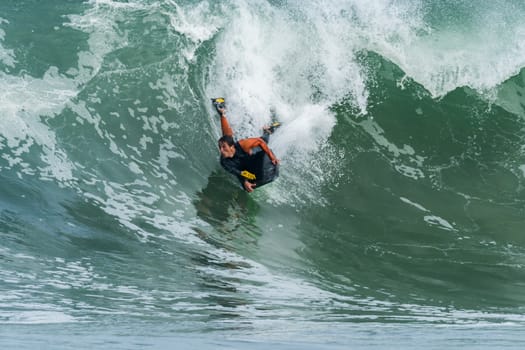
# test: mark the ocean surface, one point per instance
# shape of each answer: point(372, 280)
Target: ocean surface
point(398, 220)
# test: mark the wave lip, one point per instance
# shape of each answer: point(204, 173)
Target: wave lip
point(449, 45)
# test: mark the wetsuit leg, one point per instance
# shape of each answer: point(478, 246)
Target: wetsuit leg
point(266, 136)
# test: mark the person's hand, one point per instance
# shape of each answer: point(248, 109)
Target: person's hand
point(221, 110)
point(248, 186)
point(276, 161)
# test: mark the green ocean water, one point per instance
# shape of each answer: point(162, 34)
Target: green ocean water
point(397, 220)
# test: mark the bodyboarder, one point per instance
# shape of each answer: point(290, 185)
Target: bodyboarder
point(250, 159)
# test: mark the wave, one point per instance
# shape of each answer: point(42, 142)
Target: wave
point(395, 186)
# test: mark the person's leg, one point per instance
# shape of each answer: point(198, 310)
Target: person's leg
point(266, 136)
point(268, 130)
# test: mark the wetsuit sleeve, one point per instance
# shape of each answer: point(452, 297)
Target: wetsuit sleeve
point(248, 144)
point(225, 126)
point(232, 169)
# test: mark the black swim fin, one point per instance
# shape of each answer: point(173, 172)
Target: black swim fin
point(271, 128)
point(274, 126)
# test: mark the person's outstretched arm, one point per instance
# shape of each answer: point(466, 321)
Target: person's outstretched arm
point(248, 144)
point(225, 126)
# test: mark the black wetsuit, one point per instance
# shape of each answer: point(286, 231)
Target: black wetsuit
point(258, 163)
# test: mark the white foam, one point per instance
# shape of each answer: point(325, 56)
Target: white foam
point(481, 52)
point(26, 100)
point(266, 57)
point(431, 219)
point(23, 103)
point(440, 222)
point(99, 22)
point(405, 160)
point(409, 171)
point(414, 204)
point(7, 56)
point(197, 22)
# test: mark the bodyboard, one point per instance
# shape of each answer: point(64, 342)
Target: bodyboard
point(263, 169)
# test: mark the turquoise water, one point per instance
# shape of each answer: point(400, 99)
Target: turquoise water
point(397, 221)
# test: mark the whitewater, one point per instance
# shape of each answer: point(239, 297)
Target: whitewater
point(396, 222)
